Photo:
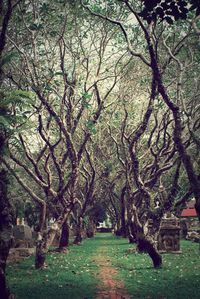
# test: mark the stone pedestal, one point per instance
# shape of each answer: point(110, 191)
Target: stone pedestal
point(169, 236)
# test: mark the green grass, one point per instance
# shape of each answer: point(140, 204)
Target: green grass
point(73, 276)
point(179, 278)
point(69, 276)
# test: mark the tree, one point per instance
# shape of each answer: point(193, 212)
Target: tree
point(6, 215)
point(152, 34)
point(65, 112)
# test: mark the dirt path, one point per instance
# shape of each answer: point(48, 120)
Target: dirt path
point(109, 286)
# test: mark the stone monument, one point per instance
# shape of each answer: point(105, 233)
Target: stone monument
point(169, 236)
point(23, 237)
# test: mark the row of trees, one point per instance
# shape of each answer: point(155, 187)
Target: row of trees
point(99, 106)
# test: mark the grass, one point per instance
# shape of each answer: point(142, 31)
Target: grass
point(69, 276)
point(73, 275)
point(179, 278)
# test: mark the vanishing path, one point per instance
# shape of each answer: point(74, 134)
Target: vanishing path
point(110, 287)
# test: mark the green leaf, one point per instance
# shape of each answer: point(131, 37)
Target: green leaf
point(17, 97)
point(8, 57)
point(58, 74)
point(5, 121)
point(35, 27)
point(91, 126)
point(87, 95)
point(86, 104)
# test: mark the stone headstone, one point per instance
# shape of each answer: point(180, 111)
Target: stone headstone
point(17, 254)
point(22, 236)
point(56, 239)
point(169, 236)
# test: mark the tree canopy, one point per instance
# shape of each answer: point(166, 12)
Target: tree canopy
point(99, 114)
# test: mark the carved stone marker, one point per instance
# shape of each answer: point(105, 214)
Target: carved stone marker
point(22, 236)
point(169, 236)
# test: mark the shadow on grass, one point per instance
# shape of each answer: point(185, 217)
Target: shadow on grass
point(42, 290)
point(111, 244)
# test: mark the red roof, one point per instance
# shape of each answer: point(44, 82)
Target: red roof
point(189, 213)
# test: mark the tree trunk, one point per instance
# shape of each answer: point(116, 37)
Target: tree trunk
point(178, 132)
point(5, 232)
point(64, 239)
point(78, 238)
point(123, 230)
point(131, 233)
point(147, 245)
point(44, 240)
point(117, 228)
point(90, 229)
point(41, 250)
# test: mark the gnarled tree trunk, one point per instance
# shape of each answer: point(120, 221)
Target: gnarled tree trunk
point(44, 240)
point(64, 238)
point(145, 243)
point(5, 232)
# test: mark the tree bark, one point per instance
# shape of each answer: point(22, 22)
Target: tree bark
point(40, 253)
point(44, 240)
point(90, 229)
point(5, 207)
point(78, 238)
point(145, 243)
point(5, 232)
point(178, 132)
point(64, 239)
point(131, 233)
point(124, 232)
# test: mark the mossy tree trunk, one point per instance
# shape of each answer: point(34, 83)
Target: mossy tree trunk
point(5, 232)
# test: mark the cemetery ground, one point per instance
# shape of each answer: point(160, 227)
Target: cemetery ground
point(77, 274)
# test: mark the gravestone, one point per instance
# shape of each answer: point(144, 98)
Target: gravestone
point(56, 239)
point(169, 236)
point(23, 237)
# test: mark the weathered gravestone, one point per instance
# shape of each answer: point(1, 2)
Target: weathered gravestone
point(23, 237)
point(23, 243)
point(169, 236)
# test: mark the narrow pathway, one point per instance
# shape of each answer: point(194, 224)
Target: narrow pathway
point(109, 286)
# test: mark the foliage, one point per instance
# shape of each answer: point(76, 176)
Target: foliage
point(168, 10)
point(98, 212)
point(15, 106)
